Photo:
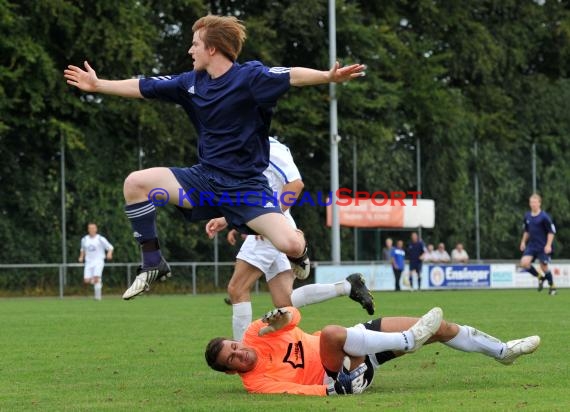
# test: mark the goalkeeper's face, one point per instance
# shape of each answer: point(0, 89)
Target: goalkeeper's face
point(237, 357)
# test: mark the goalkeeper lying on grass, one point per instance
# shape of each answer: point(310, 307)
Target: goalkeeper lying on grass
point(276, 356)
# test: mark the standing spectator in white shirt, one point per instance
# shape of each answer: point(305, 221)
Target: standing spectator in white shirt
point(459, 255)
point(94, 250)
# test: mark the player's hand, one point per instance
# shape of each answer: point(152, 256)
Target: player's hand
point(231, 237)
point(275, 319)
point(85, 80)
point(215, 225)
point(548, 249)
point(522, 247)
point(339, 74)
point(346, 384)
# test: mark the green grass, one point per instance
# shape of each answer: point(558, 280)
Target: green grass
point(79, 354)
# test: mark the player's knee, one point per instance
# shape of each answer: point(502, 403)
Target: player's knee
point(333, 335)
point(238, 292)
point(134, 184)
point(293, 246)
point(446, 331)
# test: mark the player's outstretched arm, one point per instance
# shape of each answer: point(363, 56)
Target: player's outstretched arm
point(302, 76)
point(87, 80)
point(276, 319)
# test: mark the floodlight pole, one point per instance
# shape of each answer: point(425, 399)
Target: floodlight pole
point(334, 138)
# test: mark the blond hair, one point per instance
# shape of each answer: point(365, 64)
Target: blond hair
point(536, 196)
point(224, 33)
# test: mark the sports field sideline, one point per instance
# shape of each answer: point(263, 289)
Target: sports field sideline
point(80, 354)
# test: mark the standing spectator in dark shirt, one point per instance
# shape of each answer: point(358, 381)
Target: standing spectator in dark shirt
point(415, 253)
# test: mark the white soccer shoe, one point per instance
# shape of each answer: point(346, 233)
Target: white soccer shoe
point(519, 347)
point(145, 277)
point(426, 327)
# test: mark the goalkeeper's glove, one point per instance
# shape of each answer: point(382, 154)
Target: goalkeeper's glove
point(346, 384)
point(275, 319)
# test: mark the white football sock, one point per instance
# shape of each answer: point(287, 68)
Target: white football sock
point(470, 339)
point(241, 319)
point(307, 295)
point(361, 341)
point(97, 287)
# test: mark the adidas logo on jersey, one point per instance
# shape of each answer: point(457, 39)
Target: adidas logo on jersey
point(191, 90)
point(268, 205)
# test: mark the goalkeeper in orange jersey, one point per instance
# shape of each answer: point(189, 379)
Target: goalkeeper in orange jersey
point(276, 356)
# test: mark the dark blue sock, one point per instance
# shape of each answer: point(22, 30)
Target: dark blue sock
point(548, 276)
point(143, 221)
point(151, 258)
point(532, 271)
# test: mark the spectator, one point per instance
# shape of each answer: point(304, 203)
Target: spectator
point(441, 255)
point(459, 255)
point(416, 252)
point(398, 255)
point(387, 251)
point(429, 257)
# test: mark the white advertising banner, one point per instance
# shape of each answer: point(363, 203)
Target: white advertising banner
point(501, 276)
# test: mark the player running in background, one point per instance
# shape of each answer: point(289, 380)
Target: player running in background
point(536, 242)
point(231, 106)
point(276, 356)
point(94, 250)
point(258, 256)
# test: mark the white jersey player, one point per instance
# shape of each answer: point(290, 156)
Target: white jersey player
point(258, 256)
point(94, 250)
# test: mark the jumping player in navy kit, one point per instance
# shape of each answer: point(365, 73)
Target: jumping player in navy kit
point(536, 242)
point(230, 105)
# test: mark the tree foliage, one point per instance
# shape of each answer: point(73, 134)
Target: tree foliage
point(492, 74)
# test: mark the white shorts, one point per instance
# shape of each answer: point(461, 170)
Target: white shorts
point(93, 269)
point(263, 255)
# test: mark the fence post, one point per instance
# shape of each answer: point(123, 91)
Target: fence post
point(61, 281)
point(128, 274)
point(193, 278)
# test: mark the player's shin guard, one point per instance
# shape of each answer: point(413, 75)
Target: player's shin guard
point(360, 341)
point(241, 318)
point(309, 294)
point(470, 339)
point(97, 288)
point(549, 279)
point(143, 222)
point(532, 270)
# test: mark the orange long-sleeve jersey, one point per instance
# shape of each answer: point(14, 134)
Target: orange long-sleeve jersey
point(288, 360)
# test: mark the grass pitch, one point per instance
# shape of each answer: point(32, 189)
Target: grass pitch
point(79, 354)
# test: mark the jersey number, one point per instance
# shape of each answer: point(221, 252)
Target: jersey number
point(295, 355)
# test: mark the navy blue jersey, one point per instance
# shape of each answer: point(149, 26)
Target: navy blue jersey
point(538, 227)
point(415, 250)
point(231, 113)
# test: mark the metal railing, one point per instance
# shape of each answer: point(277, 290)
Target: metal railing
point(130, 270)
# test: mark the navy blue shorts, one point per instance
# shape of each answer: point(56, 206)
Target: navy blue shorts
point(538, 254)
point(214, 194)
point(417, 266)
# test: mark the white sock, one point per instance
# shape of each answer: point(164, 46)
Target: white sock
point(242, 315)
point(360, 341)
point(97, 287)
point(470, 339)
point(318, 292)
